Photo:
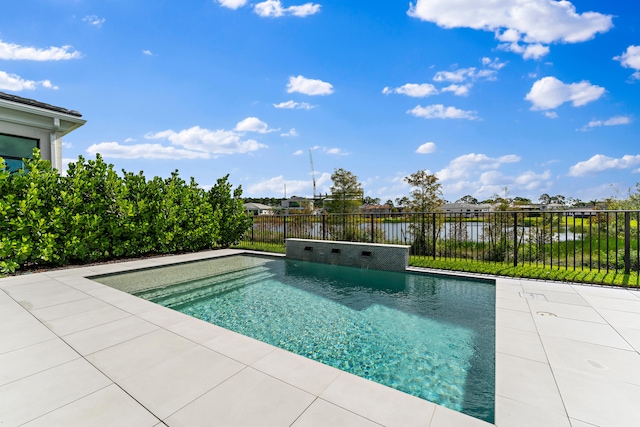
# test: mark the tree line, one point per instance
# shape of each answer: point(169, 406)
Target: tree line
point(347, 196)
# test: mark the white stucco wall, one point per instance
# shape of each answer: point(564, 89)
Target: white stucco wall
point(47, 126)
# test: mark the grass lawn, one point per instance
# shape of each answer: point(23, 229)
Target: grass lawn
point(498, 269)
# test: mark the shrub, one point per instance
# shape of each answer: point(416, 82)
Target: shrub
point(94, 214)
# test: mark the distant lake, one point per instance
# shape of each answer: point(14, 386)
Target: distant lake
point(401, 233)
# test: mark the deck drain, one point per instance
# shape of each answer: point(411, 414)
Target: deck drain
point(546, 314)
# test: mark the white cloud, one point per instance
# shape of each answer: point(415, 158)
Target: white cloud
point(48, 84)
point(292, 105)
point(532, 22)
point(17, 52)
point(94, 20)
point(493, 63)
point(304, 9)
point(481, 176)
point(613, 121)
point(439, 111)
point(274, 9)
point(307, 86)
point(292, 132)
point(216, 142)
point(414, 90)
point(232, 4)
point(336, 151)
point(551, 114)
point(531, 51)
point(493, 182)
point(459, 90)
point(491, 179)
point(129, 140)
point(463, 74)
point(530, 180)
point(426, 148)
point(16, 83)
point(276, 185)
point(469, 165)
point(147, 52)
point(331, 151)
point(601, 163)
point(144, 151)
point(67, 144)
point(461, 80)
point(631, 59)
point(549, 93)
point(298, 153)
point(253, 124)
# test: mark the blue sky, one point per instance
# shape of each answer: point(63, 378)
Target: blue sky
point(538, 96)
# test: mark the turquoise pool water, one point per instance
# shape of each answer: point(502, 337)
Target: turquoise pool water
point(429, 336)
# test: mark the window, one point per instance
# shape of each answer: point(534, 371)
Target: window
point(15, 148)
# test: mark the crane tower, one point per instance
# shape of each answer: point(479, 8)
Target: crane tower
point(313, 174)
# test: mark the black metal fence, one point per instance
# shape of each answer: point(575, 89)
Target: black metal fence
point(594, 240)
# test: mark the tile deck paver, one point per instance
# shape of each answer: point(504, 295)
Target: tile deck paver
point(75, 352)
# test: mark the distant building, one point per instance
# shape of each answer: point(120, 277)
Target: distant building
point(585, 212)
point(26, 124)
point(375, 209)
point(466, 209)
point(550, 206)
point(297, 204)
point(257, 209)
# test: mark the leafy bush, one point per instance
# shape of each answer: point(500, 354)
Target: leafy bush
point(94, 214)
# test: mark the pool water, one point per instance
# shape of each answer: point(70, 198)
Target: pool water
point(429, 336)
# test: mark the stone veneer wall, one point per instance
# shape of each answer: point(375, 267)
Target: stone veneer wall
point(351, 254)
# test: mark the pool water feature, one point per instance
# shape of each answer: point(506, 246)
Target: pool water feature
point(429, 336)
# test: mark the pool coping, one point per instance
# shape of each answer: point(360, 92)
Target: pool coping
point(566, 355)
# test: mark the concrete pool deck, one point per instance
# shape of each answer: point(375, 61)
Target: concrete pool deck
point(74, 352)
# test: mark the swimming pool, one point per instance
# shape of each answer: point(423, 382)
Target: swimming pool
point(428, 336)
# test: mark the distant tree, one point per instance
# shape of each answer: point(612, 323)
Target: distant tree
point(346, 192)
point(521, 201)
point(426, 191)
point(573, 202)
point(368, 200)
point(559, 199)
point(426, 196)
point(504, 202)
point(402, 202)
point(468, 199)
point(545, 199)
point(389, 203)
point(630, 202)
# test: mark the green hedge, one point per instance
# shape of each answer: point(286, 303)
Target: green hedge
point(94, 214)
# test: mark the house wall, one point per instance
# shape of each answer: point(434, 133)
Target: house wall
point(48, 127)
point(42, 135)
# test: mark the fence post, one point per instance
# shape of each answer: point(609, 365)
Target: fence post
point(433, 234)
point(372, 239)
point(324, 226)
point(253, 224)
point(515, 239)
point(284, 219)
point(627, 242)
